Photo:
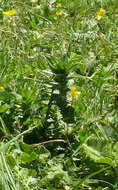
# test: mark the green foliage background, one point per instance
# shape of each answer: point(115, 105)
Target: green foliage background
point(49, 140)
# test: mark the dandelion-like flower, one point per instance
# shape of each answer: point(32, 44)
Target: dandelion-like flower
point(74, 92)
point(59, 12)
point(101, 13)
point(10, 12)
point(1, 88)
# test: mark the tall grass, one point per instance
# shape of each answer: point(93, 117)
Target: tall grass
point(58, 95)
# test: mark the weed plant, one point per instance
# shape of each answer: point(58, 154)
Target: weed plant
point(59, 95)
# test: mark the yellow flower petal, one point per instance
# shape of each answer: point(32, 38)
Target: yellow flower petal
point(101, 13)
point(10, 12)
point(74, 92)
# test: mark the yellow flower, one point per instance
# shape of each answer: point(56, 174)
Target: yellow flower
point(1, 88)
point(59, 12)
point(101, 13)
point(59, 5)
point(74, 92)
point(10, 12)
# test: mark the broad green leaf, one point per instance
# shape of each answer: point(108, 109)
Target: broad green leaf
point(4, 108)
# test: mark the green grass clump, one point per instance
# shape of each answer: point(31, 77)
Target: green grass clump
point(58, 95)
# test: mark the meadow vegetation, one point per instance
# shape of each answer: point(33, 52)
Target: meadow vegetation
point(59, 95)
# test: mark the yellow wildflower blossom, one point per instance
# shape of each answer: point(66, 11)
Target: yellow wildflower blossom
point(1, 88)
point(59, 5)
point(10, 12)
point(59, 12)
point(101, 13)
point(74, 92)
